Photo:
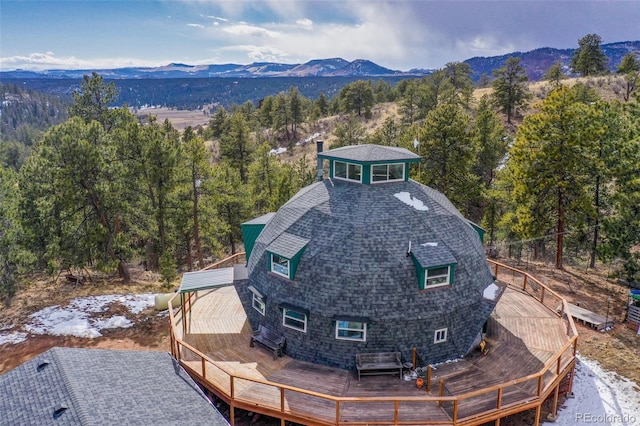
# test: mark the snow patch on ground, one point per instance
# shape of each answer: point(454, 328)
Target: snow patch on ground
point(76, 319)
point(13, 337)
point(601, 398)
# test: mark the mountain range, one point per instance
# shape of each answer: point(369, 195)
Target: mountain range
point(536, 63)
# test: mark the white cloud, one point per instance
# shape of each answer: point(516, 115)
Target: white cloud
point(256, 53)
point(305, 23)
point(195, 25)
point(246, 30)
point(42, 61)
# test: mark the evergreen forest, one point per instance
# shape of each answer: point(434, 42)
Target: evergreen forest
point(551, 172)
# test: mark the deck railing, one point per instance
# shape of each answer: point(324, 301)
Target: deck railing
point(291, 403)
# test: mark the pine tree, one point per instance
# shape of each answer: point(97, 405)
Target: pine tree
point(549, 167)
point(510, 92)
point(448, 152)
point(589, 59)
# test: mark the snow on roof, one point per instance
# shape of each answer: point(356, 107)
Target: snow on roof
point(491, 292)
point(409, 200)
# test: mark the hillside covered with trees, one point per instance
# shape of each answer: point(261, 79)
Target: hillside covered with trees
point(551, 169)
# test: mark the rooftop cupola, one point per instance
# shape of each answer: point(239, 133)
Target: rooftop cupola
point(369, 164)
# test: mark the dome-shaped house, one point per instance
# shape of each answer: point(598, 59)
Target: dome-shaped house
point(367, 261)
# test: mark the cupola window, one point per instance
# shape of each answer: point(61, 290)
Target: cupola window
point(387, 172)
point(347, 171)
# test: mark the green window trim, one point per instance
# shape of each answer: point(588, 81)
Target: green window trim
point(351, 330)
point(389, 172)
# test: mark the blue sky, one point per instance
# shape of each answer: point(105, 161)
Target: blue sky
point(397, 34)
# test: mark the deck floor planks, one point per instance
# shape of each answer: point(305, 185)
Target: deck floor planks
point(522, 337)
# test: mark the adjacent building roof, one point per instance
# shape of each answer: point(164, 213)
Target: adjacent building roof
point(76, 386)
point(370, 154)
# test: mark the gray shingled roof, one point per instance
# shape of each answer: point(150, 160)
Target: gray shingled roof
point(370, 153)
point(103, 387)
point(356, 264)
point(429, 255)
point(287, 245)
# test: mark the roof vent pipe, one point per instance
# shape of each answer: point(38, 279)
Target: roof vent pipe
point(319, 150)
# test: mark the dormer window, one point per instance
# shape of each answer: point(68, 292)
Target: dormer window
point(347, 171)
point(285, 253)
point(435, 265)
point(280, 265)
point(437, 277)
point(387, 172)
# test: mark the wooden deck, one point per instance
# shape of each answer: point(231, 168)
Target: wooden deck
point(523, 337)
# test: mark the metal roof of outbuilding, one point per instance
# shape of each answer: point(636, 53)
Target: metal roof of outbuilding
point(202, 280)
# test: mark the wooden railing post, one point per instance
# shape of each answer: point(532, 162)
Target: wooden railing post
point(542, 295)
point(495, 270)
point(499, 404)
point(337, 412)
point(540, 385)
point(282, 400)
point(440, 391)
point(455, 411)
point(524, 284)
point(396, 411)
point(204, 368)
point(428, 387)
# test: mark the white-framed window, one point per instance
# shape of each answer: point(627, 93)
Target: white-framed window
point(294, 319)
point(387, 172)
point(440, 336)
point(258, 303)
point(437, 277)
point(280, 265)
point(257, 300)
point(347, 171)
point(351, 330)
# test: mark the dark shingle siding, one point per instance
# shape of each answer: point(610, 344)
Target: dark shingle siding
point(356, 264)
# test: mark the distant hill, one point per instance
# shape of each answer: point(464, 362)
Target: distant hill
point(334, 67)
point(536, 62)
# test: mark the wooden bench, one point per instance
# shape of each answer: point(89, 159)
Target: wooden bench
point(269, 339)
point(378, 363)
